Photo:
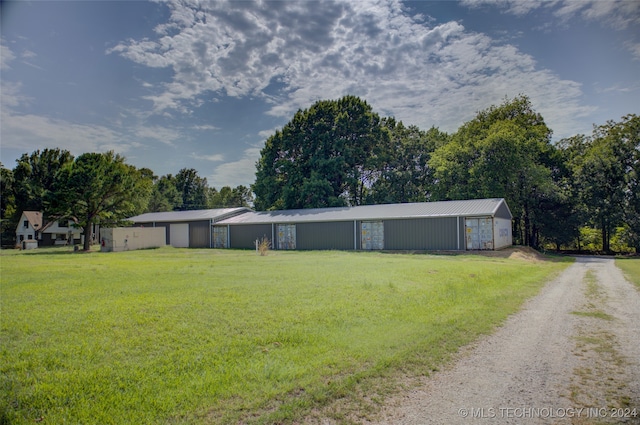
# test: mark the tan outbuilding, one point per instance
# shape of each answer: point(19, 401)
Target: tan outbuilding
point(130, 238)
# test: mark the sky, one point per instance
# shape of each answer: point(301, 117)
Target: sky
point(203, 84)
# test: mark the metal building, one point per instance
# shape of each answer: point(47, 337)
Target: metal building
point(480, 224)
point(188, 229)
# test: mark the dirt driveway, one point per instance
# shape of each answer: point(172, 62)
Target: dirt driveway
point(570, 356)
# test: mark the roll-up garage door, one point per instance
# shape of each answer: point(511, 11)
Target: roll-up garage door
point(179, 233)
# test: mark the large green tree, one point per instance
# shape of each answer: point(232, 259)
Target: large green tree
point(164, 195)
point(404, 174)
point(325, 156)
point(606, 167)
point(192, 188)
point(226, 197)
point(34, 177)
point(97, 188)
point(7, 206)
point(504, 152)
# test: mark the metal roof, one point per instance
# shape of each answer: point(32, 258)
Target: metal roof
point(183, 216)
point(466, 208)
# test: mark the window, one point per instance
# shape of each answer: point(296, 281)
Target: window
point(63, 223)
point(29, 237)
point(26, 224)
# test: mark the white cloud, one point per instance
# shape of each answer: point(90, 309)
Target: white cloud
point(516, 7)
point(11, 95)
point(239, 172)
point(6, 56)
point(212, 158)
point(161, 134)
point(634, 48)
point(421, 73)
point(619, 14)
point(205, 127)
point(28, 54)
point(31, 132)
point(265, 134)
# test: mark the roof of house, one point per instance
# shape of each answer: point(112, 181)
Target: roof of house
point(35, 218)
point(466, 208)
point(182, 216)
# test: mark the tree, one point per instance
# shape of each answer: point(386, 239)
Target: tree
point(96, 188)
point(607, 177)
point(227, 197)
point(324, 157)
point(404, 172)
point(192, 188)
point(164, 195)
point(34, 177)
point(504, 152)
point(8, 221)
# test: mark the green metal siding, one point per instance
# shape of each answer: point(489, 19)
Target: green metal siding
point(199, 234)
point(422, 234)
point(331, 235)
point(244, 236)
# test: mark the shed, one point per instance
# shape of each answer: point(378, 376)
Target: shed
point(187, 229)
point(479, 224)
point(131, 238)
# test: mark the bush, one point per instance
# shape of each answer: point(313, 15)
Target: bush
point(264, 245)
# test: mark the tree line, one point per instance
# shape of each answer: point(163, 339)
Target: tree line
point(101, 188)
point(579, 193)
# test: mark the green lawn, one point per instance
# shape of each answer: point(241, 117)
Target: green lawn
point(631, 269)
point(222, 336)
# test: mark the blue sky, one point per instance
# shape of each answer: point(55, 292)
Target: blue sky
point(202, 85)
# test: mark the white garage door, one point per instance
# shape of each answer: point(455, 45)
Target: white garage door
point(179, 235)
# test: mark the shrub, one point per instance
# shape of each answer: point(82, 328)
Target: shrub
point(264, 245)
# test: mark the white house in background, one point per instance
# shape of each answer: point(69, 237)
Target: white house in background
point(28, 229)
point(33, 232)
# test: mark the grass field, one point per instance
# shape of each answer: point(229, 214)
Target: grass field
point(221, 336)
point(631, 269)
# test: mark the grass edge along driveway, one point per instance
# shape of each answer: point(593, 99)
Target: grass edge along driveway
point(223, 336)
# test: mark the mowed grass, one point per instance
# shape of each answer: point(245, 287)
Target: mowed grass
point(222, 336)
point(631, 269)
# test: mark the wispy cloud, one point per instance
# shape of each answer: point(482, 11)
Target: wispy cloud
point(238, 172)
point(160, 134)
point(616, 14)
point(28, 132)
point(212, 158)
point(6, 56)
point(619, 14)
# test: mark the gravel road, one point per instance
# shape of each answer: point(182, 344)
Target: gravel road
point(574, 346)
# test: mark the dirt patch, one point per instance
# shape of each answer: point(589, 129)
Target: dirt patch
point(516, 252)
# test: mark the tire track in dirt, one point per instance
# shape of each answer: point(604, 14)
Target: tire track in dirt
point(540, 366)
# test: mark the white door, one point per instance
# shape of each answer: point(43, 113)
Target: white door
point(179, 235)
